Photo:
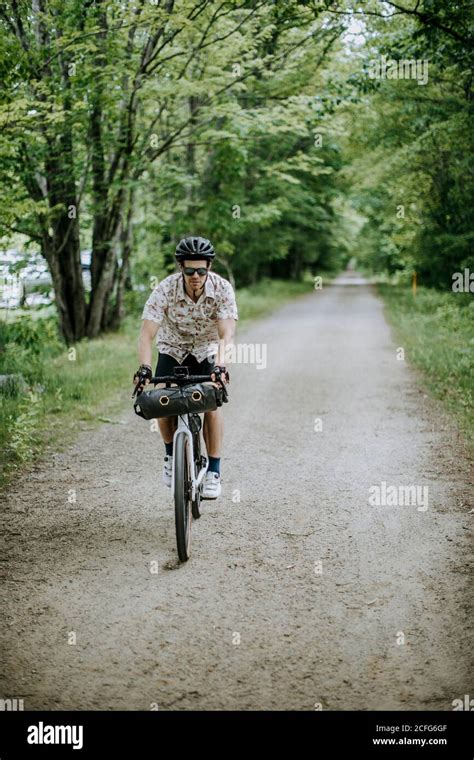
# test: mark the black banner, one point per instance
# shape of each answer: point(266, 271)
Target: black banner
point(101, 734)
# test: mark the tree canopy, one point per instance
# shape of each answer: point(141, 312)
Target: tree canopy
point(281, 130)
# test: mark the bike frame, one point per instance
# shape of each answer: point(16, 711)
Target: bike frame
point(186, 494)
point(184, 424)
point(182, 377)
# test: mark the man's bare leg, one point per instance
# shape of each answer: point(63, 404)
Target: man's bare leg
point(167, 427)
point(213, 432)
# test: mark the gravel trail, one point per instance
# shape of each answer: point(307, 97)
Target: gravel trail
point(299, 592)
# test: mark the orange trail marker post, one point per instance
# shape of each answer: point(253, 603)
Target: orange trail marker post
point(413, 284)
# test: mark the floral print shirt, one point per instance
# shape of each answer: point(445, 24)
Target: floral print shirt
point(187, 327)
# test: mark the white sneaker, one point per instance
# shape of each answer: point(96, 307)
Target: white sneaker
point(167, 471)
point(212, 485)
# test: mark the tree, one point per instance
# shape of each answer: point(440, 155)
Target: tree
point(95, 92)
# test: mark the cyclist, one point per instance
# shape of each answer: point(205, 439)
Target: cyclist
point(192, 313)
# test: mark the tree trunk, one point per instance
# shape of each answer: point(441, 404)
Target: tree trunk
point(296, 265)
point(226, 264)
point(190, 156)
point(126, 243)
point(61, 245)
point(60, 230)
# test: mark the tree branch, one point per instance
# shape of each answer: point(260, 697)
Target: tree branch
point(429, 19)
point(22, 231)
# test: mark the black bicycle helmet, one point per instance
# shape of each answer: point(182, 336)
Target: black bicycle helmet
point(194, 248)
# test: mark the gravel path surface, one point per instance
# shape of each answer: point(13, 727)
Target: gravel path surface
point(299, 591)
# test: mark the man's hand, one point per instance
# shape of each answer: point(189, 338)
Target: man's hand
point(220, 373)
point(141, 378)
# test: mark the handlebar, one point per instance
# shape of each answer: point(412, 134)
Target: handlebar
point(186, 380)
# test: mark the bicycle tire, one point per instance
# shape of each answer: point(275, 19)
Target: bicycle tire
point(196, 504)
point(182, 496)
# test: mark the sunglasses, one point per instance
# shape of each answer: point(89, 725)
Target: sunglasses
point(190, 271)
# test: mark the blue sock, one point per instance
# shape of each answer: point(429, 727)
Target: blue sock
point(214, 465)
point(169, 448)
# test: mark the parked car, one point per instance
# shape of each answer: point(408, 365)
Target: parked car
point(25, 280)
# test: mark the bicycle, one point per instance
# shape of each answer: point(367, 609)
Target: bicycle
point(189, 464)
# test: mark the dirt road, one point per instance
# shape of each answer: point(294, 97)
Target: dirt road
point(300, 590)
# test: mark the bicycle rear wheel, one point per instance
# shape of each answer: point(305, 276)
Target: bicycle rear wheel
point(182, 496)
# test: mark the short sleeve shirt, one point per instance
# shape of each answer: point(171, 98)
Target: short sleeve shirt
point(187, 327)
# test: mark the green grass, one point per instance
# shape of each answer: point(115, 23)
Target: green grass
point(11, 315)
point(62, 393)
point(67, 394)
point(436, 330)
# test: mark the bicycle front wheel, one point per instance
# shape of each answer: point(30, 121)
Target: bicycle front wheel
point(196, 504)
point(182, 495)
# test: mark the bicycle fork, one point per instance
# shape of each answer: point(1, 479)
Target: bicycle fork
point(184, 426)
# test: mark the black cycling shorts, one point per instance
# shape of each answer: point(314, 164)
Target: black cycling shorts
point(166, 363)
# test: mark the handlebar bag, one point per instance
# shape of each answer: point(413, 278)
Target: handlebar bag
point(169, 402)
